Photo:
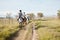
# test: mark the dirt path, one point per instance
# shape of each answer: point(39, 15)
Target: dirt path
point(32, 34)
point(35, 35)
point(22, 34)
point(26, 34)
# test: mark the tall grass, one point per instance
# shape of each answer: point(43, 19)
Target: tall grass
point(7, 27)
point(48, 30)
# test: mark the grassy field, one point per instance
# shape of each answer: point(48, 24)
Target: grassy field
point(7, 27)
point(48, 30)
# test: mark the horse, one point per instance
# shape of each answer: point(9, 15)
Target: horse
point(23, 21)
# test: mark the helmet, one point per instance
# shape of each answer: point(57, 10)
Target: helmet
point(20, 10)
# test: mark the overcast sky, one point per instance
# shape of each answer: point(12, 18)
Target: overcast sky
point(47, 7)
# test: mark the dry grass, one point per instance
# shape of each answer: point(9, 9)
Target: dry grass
point(7, 27)
point(48, 30)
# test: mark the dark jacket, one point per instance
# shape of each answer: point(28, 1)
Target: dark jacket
point(20, 14)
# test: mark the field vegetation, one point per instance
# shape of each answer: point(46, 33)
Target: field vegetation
point(48, 29)
point(8, 27)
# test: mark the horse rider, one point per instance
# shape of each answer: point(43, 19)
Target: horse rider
point(24, 14)
point(20, 15)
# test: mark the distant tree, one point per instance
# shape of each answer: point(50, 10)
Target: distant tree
point(8, 15)
point(31, 15)
point(58, 14)
point(40, 14)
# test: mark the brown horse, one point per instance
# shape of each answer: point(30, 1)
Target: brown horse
point(24, 21)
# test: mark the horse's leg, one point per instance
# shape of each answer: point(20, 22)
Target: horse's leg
point(21, 25)
point(24, 23)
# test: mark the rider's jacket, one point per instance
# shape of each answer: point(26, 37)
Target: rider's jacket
point(20, 14)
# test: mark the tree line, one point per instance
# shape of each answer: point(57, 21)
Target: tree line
point(32, 15)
